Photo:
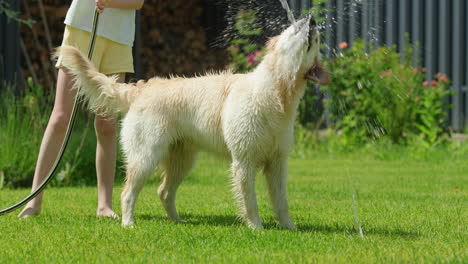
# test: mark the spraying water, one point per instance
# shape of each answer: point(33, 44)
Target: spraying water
point(270, 17)
point(285, 5)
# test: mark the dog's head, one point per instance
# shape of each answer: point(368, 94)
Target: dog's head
point(297, 52)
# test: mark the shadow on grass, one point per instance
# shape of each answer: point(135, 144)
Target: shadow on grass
point(341, 228)
point(270, 224)
point(192, 219)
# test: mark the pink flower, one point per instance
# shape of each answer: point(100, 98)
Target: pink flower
point(343, 45)
point(434, 83)
point(416, 99)
point(253, 57)
point(442, 77)
point(425, 84)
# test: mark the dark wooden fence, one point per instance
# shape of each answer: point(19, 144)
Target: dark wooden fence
point(439, 26)
point(10, 49)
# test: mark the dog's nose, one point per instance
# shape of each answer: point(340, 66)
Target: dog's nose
point(312, 23)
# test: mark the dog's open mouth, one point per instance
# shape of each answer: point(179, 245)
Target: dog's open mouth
point(318, 74)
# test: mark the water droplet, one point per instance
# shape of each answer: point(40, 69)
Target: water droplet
point(359, 84)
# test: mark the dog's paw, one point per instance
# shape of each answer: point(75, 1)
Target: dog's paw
point(288, 225)
point(256, 226)
point(180, 221)
point(128, 224)
point(177, 220)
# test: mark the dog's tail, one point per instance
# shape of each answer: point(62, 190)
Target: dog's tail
point(103, 93)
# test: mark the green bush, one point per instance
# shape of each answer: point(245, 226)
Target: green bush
point(374, 95)
point(23, 120)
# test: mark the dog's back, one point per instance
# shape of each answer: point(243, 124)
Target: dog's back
point(192, 107)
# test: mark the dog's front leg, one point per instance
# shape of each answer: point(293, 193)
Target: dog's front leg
point(243, 175)
point(276, 172)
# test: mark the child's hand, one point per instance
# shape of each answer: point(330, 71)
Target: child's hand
point(102, 4)
point(122, 4)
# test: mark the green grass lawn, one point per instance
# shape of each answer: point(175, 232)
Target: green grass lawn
point(410, 211)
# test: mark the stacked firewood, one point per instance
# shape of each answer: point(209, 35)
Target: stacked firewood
point(173, 40)
point(38, 40)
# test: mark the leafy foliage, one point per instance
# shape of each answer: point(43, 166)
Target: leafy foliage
point(375, 94)
point(22, 119)
point(13, 15)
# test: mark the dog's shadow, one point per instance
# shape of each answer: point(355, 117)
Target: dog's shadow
point(270, 224)
point(195, 220)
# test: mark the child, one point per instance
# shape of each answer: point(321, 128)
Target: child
point(112, 55)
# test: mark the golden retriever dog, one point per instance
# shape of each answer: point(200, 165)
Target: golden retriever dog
point(248, 118)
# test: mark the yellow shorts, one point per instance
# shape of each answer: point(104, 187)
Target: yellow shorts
point(108, 56)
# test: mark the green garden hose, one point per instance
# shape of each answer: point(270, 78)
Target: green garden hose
point(71, 124)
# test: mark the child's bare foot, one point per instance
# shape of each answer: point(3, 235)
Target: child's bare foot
point(106, 212)
point(29, 212)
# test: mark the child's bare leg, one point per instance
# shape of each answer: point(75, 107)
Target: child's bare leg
point(105, 128)
point(52, 140)
point(106, 152)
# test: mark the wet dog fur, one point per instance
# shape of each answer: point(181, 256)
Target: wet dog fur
point(248, 118)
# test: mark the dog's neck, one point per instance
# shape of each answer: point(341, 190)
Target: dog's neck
point(287, 87)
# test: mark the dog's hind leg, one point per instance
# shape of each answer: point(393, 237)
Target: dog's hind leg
point(177, 165)
point(143, 155)
point(276, 176)
point(243, 175)
point(134, 182)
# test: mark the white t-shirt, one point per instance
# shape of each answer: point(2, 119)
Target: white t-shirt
point(115, 24)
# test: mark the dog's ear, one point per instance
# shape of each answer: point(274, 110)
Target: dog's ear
point(318, 74)
point(271, 44)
